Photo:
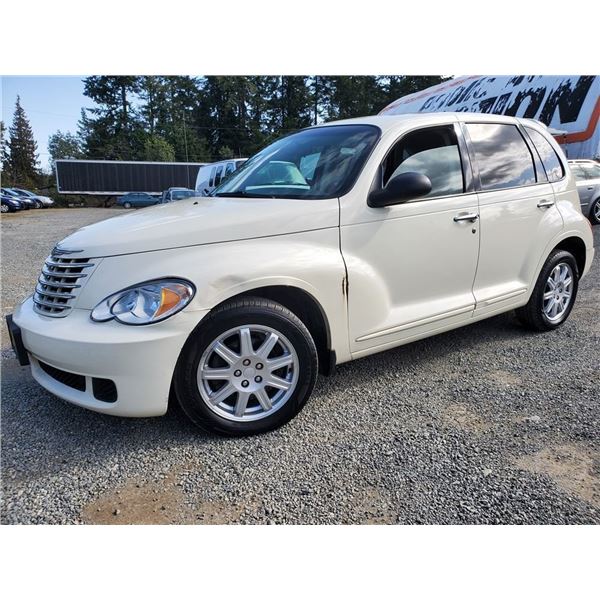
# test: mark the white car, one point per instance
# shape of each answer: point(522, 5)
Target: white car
point(331, 244)
point(210, 176)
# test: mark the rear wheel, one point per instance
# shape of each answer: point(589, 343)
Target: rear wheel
point(4, 208)
point(248, 368)
point(553, 295)
point(595, 212)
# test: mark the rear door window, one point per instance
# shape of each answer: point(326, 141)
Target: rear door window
point(213, 171)
point(502, 155)
point(552, 164)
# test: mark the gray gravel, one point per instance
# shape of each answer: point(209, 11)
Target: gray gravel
point(486, 424)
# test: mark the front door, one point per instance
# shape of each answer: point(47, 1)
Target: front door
point(411, 266)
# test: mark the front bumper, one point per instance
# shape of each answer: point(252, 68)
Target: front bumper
point(139, 360)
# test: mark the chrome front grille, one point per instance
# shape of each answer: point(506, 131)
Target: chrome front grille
point(59, 284)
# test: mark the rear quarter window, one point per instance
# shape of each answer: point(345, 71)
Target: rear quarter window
point(552, 164)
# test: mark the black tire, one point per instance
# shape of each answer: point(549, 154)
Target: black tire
point(532, 315)
point(245, 311)
point(594, 210)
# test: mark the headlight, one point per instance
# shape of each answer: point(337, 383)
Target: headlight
point(145, 303)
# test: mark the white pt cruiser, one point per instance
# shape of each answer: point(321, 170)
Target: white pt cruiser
point(330, 244)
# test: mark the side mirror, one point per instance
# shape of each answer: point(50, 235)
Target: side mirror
point(399, 189)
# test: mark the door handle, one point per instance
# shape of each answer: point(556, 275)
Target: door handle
point(591, 188)
point(466, 217)
point(545, 203)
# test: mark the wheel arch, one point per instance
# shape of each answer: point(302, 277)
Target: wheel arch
point(307, 308)
point(576, 246)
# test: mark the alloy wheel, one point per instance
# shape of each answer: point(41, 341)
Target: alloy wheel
point(248, 373)
point(558, 293)
point(596, 210)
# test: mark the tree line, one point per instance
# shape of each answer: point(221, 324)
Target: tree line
point(198, 119)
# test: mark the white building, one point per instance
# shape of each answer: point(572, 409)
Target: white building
point(568, 104)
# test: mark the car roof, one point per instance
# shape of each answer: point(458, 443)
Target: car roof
point(390, 122)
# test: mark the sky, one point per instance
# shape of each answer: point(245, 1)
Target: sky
point(51, 103)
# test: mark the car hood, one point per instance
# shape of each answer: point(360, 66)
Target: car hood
point(200, 220)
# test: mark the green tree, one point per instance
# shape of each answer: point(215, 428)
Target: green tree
point(112, 129)
point(23, 149)
point(180, 120)
point(158, 149)
point(294, 103)
point(63, 145)
point(352, 96)
point(396, 86)
point(4, 155)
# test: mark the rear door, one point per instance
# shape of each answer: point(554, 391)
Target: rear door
point(518, 214)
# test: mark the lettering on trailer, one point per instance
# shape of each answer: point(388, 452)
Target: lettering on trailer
point(537, 102)
point(568, 104)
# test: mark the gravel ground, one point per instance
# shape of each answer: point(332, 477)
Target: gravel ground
point(485, 424)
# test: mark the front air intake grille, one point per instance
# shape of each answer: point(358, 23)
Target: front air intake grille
point(69, 379)
point(104, 389)
point(59, 284)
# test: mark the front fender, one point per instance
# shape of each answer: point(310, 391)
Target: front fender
point(310, 261)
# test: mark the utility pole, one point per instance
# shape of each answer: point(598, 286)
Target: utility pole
point(187, 159)
point(185, 140)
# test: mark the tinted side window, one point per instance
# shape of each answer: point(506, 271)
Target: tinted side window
point(211, 183)
point(433, 152)
point(552, 164)
point(219, 175)
point(502, 155)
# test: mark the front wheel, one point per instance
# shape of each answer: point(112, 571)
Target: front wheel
point(595, 212)
point(553, 295)
point(127, 205)
point(4, 208)
point(248, 368)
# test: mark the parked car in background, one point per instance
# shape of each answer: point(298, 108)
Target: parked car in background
point(137, 200)
point(10, 204)
point(176, 193)
point(587, 174)
point(26, 203)
point(331, 244)
point(40, 201)
point(210, 176)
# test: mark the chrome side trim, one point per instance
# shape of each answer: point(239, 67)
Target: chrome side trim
point(452, 313)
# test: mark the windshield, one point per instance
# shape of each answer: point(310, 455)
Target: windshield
point(323, 162)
